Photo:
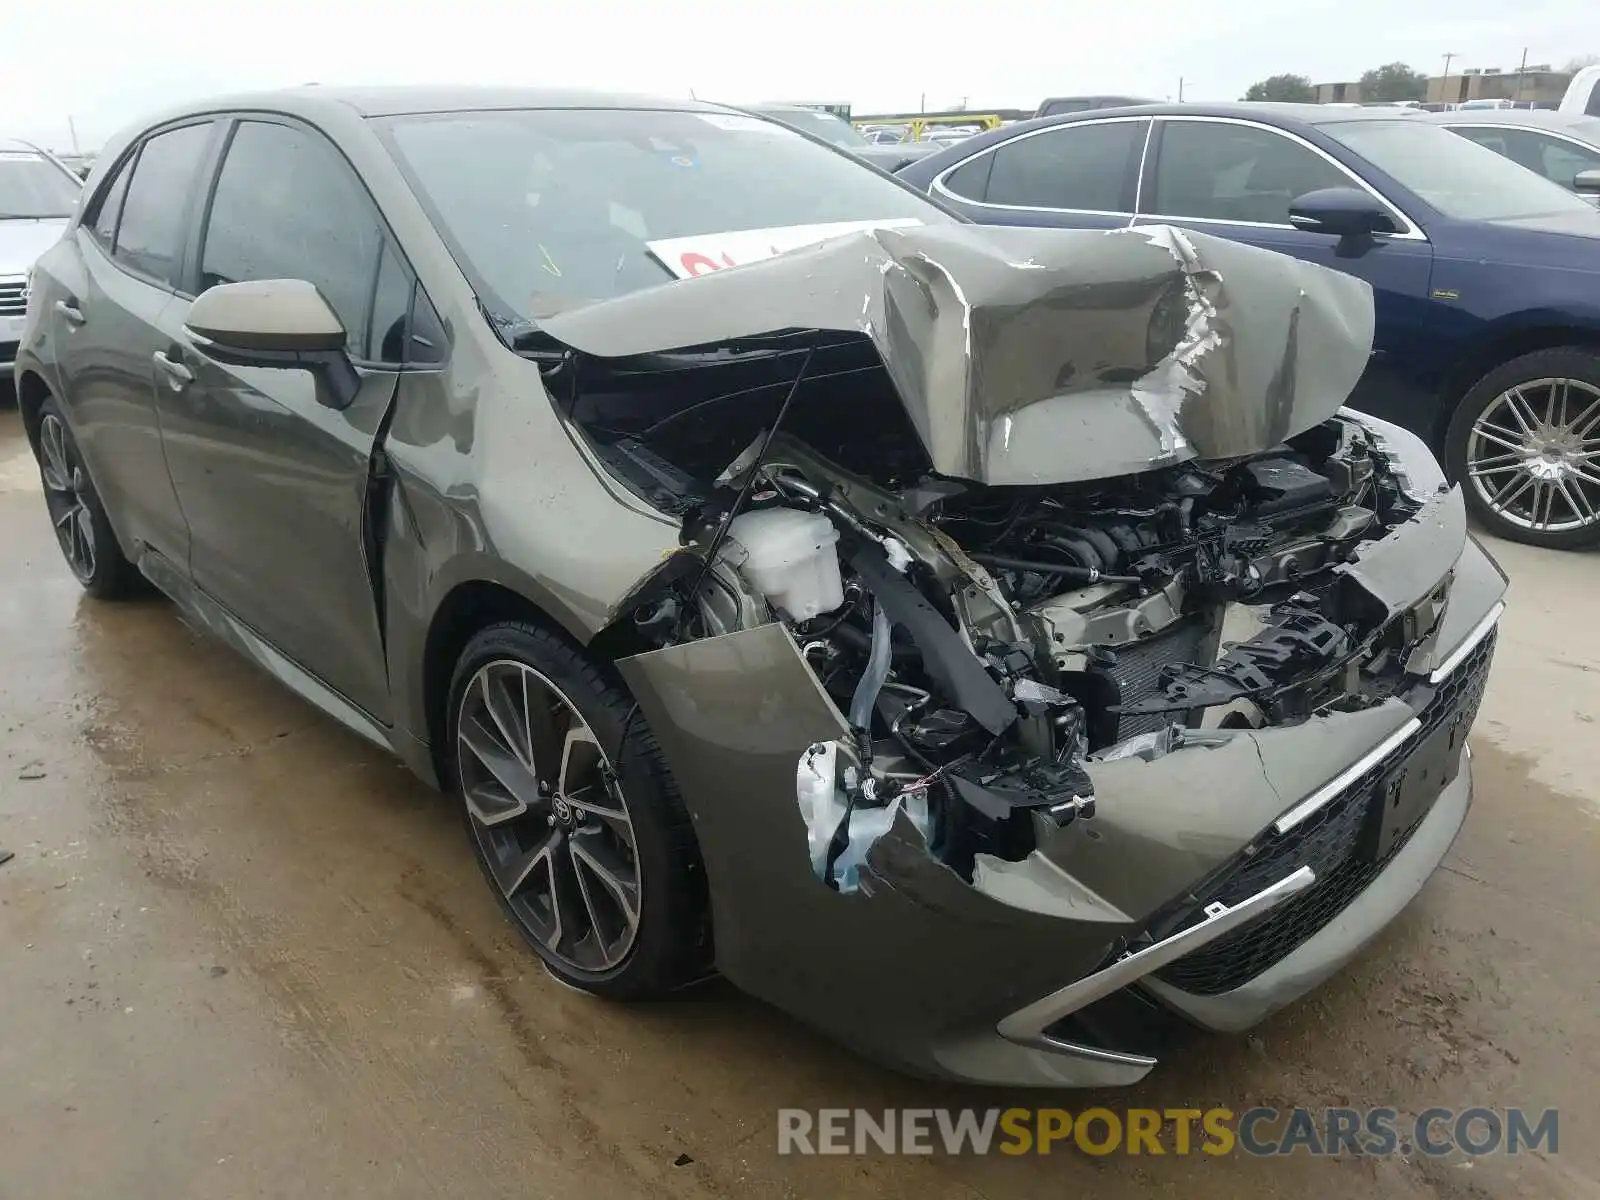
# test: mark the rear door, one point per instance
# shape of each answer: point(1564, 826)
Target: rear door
point(274, 481)
point(1082, 175)
point(1235, 179)
point(107, 323)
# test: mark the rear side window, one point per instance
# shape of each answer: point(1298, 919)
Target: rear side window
point(106, 215)
point(1592, 109)
point(1225, 172)
point(1085, 167)
point(151, 228)
point(287, 206)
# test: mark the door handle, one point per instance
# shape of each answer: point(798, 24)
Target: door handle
point(69, 310)
point(178, 375)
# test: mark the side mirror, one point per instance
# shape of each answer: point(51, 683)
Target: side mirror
point(276, 323)
point(1342, 211)
point(1587, 181)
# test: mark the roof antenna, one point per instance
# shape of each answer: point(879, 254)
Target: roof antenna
point(692, 96)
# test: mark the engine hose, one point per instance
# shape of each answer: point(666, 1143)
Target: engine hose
point(872, 679)
point(1085, 574)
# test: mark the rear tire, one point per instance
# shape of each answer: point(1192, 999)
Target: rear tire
point(1524, 444)
point(587, 846)
point(82, 529)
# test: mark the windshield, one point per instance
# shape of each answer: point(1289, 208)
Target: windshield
point(817, 123)
point(545, 208)
point(32, 187)
point(1457, 176)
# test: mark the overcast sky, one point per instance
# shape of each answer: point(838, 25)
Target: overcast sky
point(106, 63)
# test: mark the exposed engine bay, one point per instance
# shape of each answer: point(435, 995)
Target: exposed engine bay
point(983, 643)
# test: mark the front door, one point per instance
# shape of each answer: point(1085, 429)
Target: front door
point(272, 474)
point(1236, 180)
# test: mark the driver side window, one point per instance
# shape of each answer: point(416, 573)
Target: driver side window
point(1219, 171)
point(287, 206)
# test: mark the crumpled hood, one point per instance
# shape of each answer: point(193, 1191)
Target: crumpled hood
point(1040, 356)
point(23, 241)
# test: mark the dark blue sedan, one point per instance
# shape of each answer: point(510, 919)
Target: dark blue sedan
point(1486, 276)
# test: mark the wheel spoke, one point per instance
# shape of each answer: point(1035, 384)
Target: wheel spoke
point(1510, 491)
point(521, 787)
point(511, 726)
point(1543, 497)
point(85, 526)
point(57, 477)
point(1549, 420)
point(604, 864)
point(1521, 410)
point(1497, 436)
point(1581, 424)
point(517, 871)
point(1587, 475)
point(1577, 500)
point(1496, 464)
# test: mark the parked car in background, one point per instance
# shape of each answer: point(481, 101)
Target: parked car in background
point(836, 131)
point(1057, 106)
point(37, 197)
point(1563, 147)
point(1583, 94)
point(437, 405)
point(1487, 276)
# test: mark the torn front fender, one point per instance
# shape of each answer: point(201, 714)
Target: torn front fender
point(1037, 356)
point(915, 963)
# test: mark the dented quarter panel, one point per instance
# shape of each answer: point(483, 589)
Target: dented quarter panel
point(1129, 349)
point(941, 960)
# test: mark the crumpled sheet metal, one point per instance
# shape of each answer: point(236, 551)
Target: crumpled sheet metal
point(1030, 356)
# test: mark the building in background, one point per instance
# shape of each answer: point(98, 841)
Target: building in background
point(1527, 86)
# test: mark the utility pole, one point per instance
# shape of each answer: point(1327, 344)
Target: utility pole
point(1180, 89)
point(1522, 68)
point(1444, 82)
point(73, 130)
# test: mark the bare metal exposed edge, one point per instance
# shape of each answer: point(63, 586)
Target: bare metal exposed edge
point(1346, 777)
point(1028, 1024)
point(1469, 643)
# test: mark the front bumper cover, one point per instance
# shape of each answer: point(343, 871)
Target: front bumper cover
point(936, 976)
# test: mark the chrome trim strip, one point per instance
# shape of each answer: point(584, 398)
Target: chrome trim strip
point(1468, 644)
point(1027, 1024)
point(1346, 777)
point(1412, 232)
point(1095, 1054)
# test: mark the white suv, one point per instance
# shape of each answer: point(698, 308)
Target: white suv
point(37, 197)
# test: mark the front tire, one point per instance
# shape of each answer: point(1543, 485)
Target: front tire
point(83, 531)
point(1525, 446)
point(587, 847)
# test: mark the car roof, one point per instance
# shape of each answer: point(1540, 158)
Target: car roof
point(1272, 113)
point(398, 100)
point(1547, 118)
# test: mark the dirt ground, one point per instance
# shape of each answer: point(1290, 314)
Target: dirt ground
point(243, 954)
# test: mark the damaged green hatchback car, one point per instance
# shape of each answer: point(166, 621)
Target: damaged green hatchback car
point(996, 646)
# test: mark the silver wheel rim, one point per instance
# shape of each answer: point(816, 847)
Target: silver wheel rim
point(1533, 455)
point(549, 816)
point(64, 487)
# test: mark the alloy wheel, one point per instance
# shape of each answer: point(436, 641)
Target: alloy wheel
point(1533, 455)
point(549, 816)
point(65, 490)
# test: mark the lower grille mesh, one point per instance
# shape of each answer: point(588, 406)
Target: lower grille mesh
point(1328, 842)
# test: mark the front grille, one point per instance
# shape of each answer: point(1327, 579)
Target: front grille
point(13, 297)
point(1328, 842)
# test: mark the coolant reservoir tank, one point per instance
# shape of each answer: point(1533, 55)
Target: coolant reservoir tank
point(791, 557)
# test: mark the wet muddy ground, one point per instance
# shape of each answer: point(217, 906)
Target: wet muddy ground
point(243, 954)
